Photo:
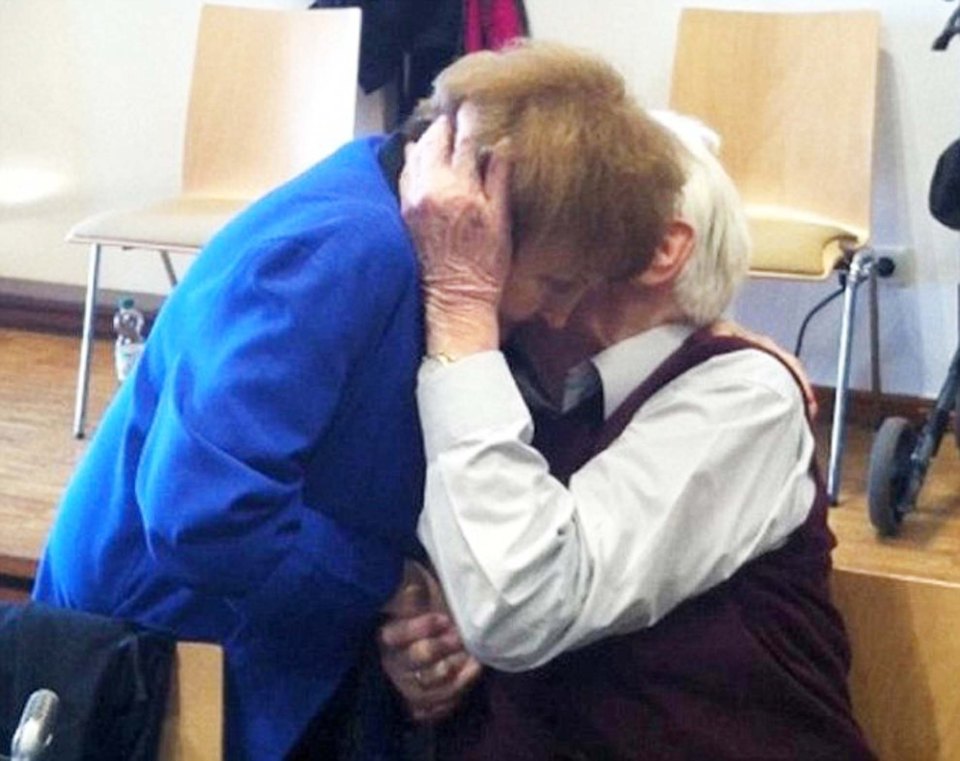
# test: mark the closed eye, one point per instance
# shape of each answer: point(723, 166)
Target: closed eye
point(562, 287)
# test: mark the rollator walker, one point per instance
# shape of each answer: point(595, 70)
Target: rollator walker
point(900, 455)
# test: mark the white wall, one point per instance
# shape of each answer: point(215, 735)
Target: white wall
point(96, 104)
point(92, 109)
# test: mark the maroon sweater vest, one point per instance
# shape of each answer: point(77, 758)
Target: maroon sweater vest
point(754, 668)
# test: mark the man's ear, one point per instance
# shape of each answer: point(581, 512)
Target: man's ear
point(670, 257)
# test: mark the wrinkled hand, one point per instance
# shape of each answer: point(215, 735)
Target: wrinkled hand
point(727, 328)
point(421, 651)
point(459, 219)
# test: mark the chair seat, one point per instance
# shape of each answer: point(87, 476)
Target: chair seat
point(272, 92)
point(797, 244)
point(182, 224)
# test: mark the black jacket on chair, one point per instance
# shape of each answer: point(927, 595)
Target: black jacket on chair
point(111, 676)
point(428, 32)
point(945, 188)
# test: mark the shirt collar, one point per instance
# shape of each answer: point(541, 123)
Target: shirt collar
point(625, 365)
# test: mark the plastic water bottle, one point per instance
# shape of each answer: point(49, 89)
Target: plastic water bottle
point(128, 325)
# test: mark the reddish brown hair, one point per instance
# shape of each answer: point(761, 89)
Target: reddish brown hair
point(591, 170)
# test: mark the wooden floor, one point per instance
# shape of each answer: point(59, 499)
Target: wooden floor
point(37, 449)
point(38, 453)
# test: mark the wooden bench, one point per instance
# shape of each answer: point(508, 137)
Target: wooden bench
point(905, 678)
point(193, 727)
point(904, 681)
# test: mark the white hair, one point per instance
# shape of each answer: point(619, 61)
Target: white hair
point(711, 205)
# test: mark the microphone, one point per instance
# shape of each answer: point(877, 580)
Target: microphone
point(35, 730)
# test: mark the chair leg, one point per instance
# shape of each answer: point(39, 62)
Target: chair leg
point(876, 385)
point(861, 268)
point(168, 266)
point(86, 343)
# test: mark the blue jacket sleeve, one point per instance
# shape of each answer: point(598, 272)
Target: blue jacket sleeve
point(257, 360)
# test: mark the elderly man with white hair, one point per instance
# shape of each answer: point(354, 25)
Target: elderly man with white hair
point(651, 583)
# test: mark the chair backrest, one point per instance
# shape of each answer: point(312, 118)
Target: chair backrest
point(793, 97)
point(193, 724)
point(273, 91)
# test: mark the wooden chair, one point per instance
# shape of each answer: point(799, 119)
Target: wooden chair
point(792, 96)
point(272, 92)
point(193, 727)
point(906, 657)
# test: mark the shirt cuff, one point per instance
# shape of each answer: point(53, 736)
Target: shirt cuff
point(472, 395)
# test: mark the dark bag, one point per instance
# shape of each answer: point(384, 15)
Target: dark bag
point(111, 676)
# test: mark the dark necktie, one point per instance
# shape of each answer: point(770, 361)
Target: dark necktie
point(567, 440)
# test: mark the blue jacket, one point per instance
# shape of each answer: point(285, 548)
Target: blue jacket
point(256, 482)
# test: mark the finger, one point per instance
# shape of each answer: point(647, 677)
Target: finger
point(452, 690)
point(424, 697)
point(496, 183)
point(791, 360)
point(724, 328)
point(464, 156)
point(413, 571)
point(467, 674)
point(438, 602)
point(401, 633)
point(436, 145)
point(427, 651)
point(423, 160)
point(466, 161)
point(408, 601)
point(441, 672)
point(413, 595)
point(796, 366)
point(406, 182)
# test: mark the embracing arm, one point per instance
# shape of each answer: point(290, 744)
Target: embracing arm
point(709, 474)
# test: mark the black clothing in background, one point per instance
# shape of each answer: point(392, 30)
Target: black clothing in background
point(945, 188)
point(428, 32)
point(111, 677)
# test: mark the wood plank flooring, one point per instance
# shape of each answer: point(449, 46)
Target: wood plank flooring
point(38, 453)
point(38, 375)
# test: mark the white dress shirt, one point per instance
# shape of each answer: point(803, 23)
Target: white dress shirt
point(712, 471)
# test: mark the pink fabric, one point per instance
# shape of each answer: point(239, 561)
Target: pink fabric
point(491, 24)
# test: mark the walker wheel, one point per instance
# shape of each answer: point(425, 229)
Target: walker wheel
point(889, 473)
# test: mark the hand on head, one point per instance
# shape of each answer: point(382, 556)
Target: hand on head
point(459, 218)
